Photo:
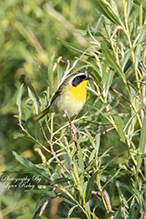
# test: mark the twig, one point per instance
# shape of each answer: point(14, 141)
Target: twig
point(107, 130)
point(107, 200)
point(143, 115)
point(54, 208)
point(73, 129)
point(44, 205)
point(54, 153)
point(144, 215)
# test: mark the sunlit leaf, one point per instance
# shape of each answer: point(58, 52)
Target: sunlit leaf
point(106, 9)
point(142, 144)
point(19, 103)
point(111, 59)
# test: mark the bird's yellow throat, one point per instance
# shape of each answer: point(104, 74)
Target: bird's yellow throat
point(79, 92)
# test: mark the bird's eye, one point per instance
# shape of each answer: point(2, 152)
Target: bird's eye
point(78, 78)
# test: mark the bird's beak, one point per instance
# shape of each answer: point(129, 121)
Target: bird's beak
point(89, 78)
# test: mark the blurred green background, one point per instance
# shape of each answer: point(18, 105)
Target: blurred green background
point(29, 42)
point(33, 35)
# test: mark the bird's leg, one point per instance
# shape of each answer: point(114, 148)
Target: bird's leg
point(72, 127)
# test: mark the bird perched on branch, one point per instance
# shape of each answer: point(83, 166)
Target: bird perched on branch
point(70, 97)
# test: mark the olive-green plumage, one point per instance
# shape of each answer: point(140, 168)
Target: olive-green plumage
point(70, 96)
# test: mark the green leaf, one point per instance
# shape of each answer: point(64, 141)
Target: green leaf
point(67, 200)
point(37, 208)
point(67, 197)
point(110, 58)
point(107, 81)
point(142, 144)
point(18, 102)
point(80, 160)
point(31, 167)
point(89, 187)
point(92, 156)
point(141, 2)
point(18, 135)
point(139, 47)
point(123, 200)
point(34, 100)
point(43, 192)
point(106, 9)
point(60, 180)
point(73, 47)
point(137, 2)
point(119, 125)
point(71, 210)
point(129, 7)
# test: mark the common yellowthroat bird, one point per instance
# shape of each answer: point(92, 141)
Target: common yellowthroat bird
point(69, 97)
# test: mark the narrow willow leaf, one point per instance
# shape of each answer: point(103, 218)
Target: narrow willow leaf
point(43, 192)
point(37, 208)
point(31, 167)
point(33, 100)
point(142, 144)
point(60, 181)
point(89, 187)
point(18, 135)
point(106, 9)
point(80, 160)
point(73, 47)
point(138, 50)
point(123, 201)
point(134, 211)
point(107, 80)
point(114, 7)
point(129, 7)
point(137, 2)
point(141, 2)
point(66, 199)
point(92, 156)
point(70, 196)
point(110, 58)
point(18, 102)
point(126, 59)
point(119, 126)
point(98, 137)
point(91, 138)
point(75, 176)
point(71, 210)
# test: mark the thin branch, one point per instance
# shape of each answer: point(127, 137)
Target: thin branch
point(107, 200)
point(54, 208)
point(44, 205)
point(54, 153)
point(143, 115)
point(73, 129)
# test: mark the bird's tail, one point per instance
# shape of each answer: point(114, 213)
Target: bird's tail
point(42, 114)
